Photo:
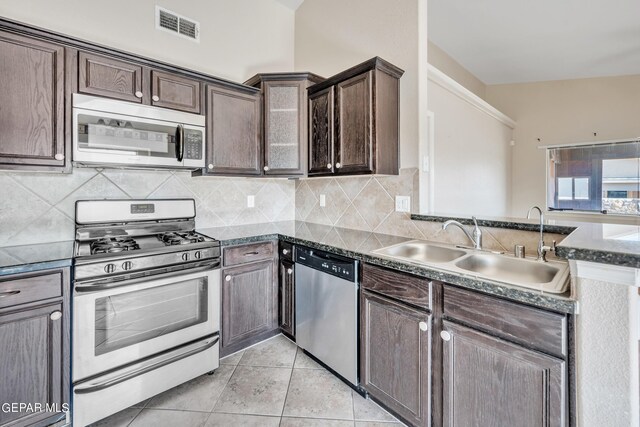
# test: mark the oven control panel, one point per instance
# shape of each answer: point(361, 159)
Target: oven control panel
point(193, 146)
point(170, 261)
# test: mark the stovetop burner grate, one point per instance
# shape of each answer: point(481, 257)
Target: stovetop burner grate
point(113, 244)
point(177, 238)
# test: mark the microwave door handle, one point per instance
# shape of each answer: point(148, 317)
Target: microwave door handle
point(180, 143)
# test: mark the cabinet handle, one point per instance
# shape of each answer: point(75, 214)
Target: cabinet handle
point(266, 168)
point(328, 165)
point(55, 315)
point(8, 293)
point(445, 335)
point(138, 94)
point(338, 165)
point(289, 270)
point(210, 165)
point(423, 326)
point(155, 98)
point(251, 253)
point(227, 278)
point(285, 252)
point(59, 156)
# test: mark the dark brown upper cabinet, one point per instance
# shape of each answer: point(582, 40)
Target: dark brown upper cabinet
point(321, 132)
point(234, 145)
point(284, 121)
point(129, 81)
point(354, 121)
point(176, 92)
point(32, 114)
point(103, 76)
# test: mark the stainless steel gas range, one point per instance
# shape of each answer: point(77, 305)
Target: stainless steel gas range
point(146, 303)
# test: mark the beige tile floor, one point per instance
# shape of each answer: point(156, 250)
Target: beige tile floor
point(270, 384)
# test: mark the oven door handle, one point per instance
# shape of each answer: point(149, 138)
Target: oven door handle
point(180, 143)
point(144, 369)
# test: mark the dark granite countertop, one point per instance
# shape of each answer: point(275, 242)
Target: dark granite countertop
point(614, 244)
point(522, 224)
point(359, 245)
point(25, 258)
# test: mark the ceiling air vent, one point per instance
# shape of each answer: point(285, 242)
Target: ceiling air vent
point(177, 24)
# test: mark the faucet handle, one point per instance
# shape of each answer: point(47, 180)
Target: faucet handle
point(475, 220)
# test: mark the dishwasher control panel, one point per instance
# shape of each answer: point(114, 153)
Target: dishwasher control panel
point(335, 265)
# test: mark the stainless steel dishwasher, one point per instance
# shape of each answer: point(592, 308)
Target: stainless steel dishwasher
point(327, 309)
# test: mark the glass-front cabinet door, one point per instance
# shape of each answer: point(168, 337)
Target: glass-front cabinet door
point(283, 127)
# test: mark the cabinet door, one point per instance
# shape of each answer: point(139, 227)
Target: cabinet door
point(249, 304)
point(32, 107)
point(321, 132)
point(175, 92)
point(284, 138)
point(353, 153)
point(287, 298)
point(31, 366)
point(233, 132)
point(490, 382)
point(103, 76)
point(395, 356)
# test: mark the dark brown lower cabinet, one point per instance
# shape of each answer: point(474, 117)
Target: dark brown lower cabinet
point(34, 360)
point(491, 382)
point(395, 356)
point(249, 305)
point(287, 298)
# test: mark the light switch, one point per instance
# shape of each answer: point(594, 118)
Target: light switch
point(323, 201)
point(251, 201)
point(403, 203)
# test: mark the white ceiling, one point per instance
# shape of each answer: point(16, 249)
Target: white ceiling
point(512, 41)
point(291, 4)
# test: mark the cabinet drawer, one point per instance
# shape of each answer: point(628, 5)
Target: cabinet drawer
point(22, 289)
point(248, 253)
point(286, 251)
point(399, 286)
point(535, 328)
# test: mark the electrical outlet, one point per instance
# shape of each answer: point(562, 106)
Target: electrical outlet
point(403, 203)
point(251, 201)
point(323, 201)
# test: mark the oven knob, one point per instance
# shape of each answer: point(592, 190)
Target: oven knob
point(109, 268)
point(198, 255)
point(127, 265)
point(185, 256)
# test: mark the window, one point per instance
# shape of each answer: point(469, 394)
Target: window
point(602, 177)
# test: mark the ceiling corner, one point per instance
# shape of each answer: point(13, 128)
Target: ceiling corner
point(291, 4)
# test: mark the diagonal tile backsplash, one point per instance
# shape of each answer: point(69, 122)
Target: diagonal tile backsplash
point(40, 208)
point(368, 203)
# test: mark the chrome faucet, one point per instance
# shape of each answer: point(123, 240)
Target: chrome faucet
point(476, 239)
point(542, 249)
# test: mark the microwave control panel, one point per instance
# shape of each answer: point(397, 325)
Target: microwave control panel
point(193, 145)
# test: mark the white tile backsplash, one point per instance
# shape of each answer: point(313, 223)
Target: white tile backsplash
point(40, 207)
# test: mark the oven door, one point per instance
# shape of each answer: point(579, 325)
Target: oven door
point(115, 326)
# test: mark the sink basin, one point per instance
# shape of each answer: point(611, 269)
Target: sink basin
point(420, 251)
point(550, 277)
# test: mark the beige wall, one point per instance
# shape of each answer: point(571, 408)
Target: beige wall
point(561, 112)
point(445, 63)
point(238, 38)
point(332, 35)
point(471, 164)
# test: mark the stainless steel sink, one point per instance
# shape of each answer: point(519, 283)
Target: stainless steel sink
point(546, 276)
point(421, 251)
point(551, 277)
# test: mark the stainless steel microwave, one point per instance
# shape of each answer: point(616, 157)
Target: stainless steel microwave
point(112, 133)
